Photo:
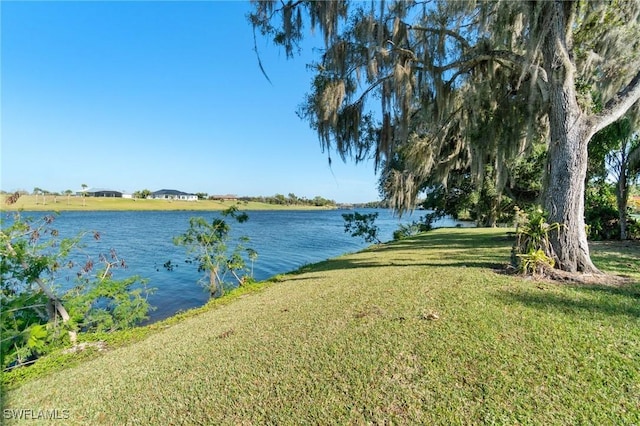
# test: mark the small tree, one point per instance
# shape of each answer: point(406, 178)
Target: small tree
point(362, 225)
point(36, 191)
point(84, 193)
point(44, 196)
point(208, 244)
point(68, 193)
point(143, 193)
point(614, 157)
point(423, 224)
point(36, 313)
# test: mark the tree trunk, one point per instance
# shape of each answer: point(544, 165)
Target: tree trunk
point(488, 213)
point(570, 133)
point(564, 198)
point(623, 194)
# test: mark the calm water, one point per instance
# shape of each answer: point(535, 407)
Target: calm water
point(284, 240)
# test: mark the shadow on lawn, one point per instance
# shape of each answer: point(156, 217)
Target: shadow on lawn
point(456, 239)
point(458, 249)
point(595, 299)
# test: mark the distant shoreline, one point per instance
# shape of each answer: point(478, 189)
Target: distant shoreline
point(75, 203)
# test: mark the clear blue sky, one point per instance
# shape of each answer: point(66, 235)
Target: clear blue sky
point(152, 95)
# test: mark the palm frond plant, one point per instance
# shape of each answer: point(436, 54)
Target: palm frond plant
point(532, 252)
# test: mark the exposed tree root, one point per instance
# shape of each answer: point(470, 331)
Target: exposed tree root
point(559, 276)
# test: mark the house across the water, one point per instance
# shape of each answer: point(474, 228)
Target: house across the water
point(100, 192)
point(172, 194)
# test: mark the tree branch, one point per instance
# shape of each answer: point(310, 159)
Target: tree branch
point(450, 33)
point(467, 65)
point(371, 87)
point(47, 291)
point(619, 105)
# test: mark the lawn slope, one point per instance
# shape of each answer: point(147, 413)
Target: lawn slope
point(419, 331)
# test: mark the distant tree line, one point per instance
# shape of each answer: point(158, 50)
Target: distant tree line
point(291, 200)
point(381, 204)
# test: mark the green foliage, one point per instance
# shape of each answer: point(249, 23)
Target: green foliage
point(423, 224)
point(601, 213)
point(23, 319)
point(107, 304)
point(614, 156)
point(535, 262)
point(465, 197)
point(532, 251)
point(362, 225)
point(34, 263)
point(455, 200)
point(278, 278)
point(143, 193)
point(208, 245)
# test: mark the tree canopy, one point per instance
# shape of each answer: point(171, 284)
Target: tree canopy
point(427, 87)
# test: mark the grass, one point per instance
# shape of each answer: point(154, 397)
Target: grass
point(421, 331)
point(64, 203)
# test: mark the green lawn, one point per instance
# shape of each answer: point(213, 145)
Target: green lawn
point(64, 203)
point(421, 331)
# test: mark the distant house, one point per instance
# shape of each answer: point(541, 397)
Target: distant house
point(100, 192)
point(172, 194)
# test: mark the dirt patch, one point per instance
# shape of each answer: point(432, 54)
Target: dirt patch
point(557, 275)
point(80, 347)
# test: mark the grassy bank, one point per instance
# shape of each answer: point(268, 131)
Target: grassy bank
point(64, 203)
point(419, 331)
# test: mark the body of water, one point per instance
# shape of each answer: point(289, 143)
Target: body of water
point(284, 240)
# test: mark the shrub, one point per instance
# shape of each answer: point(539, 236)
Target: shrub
point(532, 251)
point(601, 212)
point(37, 313)
point(423, 224)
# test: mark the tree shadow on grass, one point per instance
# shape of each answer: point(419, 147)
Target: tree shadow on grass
point(593, 299)
point(460, 249)
point(343, 264)
point(456, 239)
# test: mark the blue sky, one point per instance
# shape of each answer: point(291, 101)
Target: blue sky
point(135, 95)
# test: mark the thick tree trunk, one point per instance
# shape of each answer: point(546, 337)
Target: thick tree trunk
point(570, 133)
point(564, 197)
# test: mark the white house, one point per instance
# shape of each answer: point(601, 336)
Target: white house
point(172, 194)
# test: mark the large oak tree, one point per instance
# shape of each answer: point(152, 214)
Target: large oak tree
point(453, 84)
